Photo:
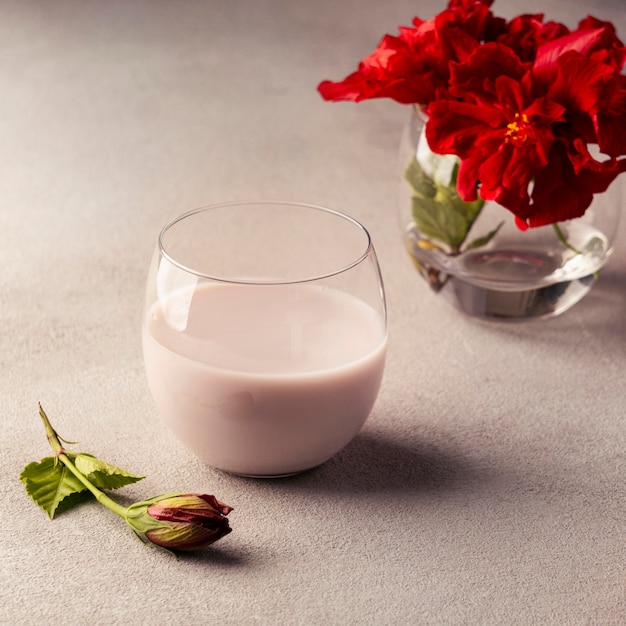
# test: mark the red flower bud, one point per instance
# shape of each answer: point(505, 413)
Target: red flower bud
point(180, 521)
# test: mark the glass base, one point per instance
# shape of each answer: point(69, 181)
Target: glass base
point(269, 476)
point(516, 306)
point(511, 283)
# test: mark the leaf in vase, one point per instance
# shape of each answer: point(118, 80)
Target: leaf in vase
point(420, 182)
point(438, 221)
point(483, 241)
point(438, 211)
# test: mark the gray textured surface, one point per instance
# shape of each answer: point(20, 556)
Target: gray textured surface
point(487, 487)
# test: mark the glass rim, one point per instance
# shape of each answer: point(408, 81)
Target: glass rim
point(251, 281)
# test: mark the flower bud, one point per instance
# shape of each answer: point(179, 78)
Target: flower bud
point(180, 521)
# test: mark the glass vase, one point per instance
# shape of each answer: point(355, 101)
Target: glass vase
point(475, 256)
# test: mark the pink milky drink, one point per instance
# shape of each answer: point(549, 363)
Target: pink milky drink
point(264, 334)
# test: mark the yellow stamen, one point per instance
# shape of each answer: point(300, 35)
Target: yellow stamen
point(517, 130)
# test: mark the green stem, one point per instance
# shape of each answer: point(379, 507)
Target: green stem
point(100, 496)
point(563, 240)
point(55, 444)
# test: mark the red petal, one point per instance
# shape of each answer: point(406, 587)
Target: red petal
point(467, 179)
point(455, 127)
point(560, 194)
point(544, 67)
point(351, 88)
point(477, 76)
point(610, 121)
point(520, 223)
point(580, 82)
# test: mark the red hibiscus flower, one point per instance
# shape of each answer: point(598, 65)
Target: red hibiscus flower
point(394, 70)
point(414, 67)
point(561, 193)
point(595, 97)
point(520, 103)
point(506, 121)
point(501, 133)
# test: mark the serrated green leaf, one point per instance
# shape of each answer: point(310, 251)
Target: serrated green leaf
point(103, 475)
point(436, 221)
point(49, 483)
point(438, 211)
point(436, 225)
point(73, 500)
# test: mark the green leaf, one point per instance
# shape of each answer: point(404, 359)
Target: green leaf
point(438, 211)
point(422, 184)
point(483, 241)
point(103, 475)
point(73, 500)
point(49, 483)
point(436, 221)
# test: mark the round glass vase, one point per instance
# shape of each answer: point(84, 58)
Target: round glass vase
point(475, 256)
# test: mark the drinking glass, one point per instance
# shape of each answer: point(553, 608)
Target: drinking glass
point(264, 334)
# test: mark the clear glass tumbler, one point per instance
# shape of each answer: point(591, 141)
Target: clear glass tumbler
point(264, 334)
